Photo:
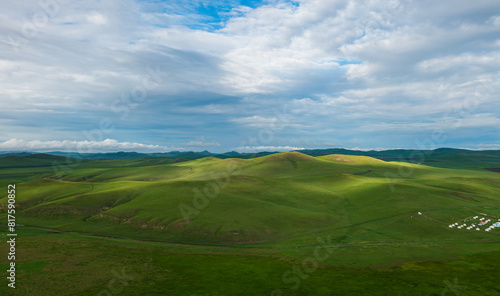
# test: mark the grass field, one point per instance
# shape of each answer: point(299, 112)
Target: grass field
point(282, 224)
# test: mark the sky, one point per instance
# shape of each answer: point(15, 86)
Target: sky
point(155, 76)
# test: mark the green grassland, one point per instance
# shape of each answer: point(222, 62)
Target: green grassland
point(235, 226)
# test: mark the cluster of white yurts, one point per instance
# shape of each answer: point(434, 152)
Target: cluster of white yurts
point(478, 225)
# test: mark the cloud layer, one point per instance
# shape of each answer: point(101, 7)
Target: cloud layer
point(80, 146)
point(376, 74)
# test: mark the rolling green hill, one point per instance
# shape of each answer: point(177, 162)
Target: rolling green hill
point(33, 160)
point(379, 220)
point(276, 198)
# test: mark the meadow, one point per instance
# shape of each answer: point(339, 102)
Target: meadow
point(281, 224)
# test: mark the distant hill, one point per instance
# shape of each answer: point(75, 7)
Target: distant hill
point(112, 155)
point(43, 156)
point(350, 158)
point(3, 154)
point(118, 155)
point(441, 157)
point(292, 156)
point(32, 160)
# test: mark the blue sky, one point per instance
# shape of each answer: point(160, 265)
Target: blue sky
point(153, 76)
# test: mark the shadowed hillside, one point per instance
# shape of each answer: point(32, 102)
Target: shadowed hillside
point(284, 197)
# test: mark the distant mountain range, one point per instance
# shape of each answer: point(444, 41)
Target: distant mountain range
point(405, 155)
point(136, 155)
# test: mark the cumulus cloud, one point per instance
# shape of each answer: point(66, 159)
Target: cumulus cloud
point(476, 120)
point(96, 19)
point(80, 146)
point(202, 142)
point(266, 148)
point(257, 121)
point(346, 69)
point(488, 146)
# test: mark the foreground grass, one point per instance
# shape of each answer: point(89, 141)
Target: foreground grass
point(69, 264)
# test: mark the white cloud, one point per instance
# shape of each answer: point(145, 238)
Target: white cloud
point(80, 146)
point(488, 146)
point(495, 20)
point(266, 148)
point(444, 124)
point(464, 62)
point(278, 122)
point(257, 121)
point(202, 142)
point(339, 64)
point(96, 19)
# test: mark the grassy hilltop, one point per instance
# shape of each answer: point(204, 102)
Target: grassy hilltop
point(259, 216)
